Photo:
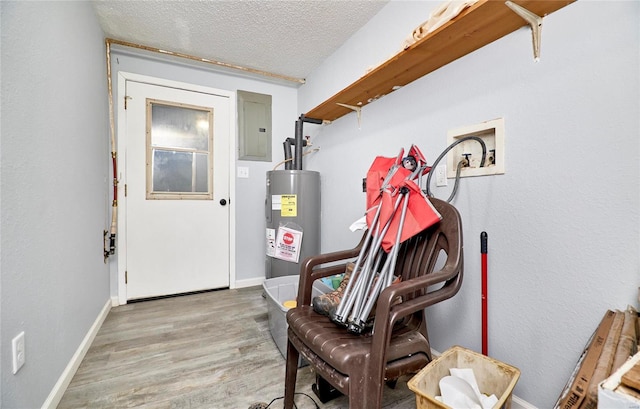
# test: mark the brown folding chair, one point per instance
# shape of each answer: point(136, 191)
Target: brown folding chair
point(359, 365)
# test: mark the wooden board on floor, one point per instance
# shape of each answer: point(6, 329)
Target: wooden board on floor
point(632, 377)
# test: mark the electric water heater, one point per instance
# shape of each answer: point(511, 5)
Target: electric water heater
point(292, 210)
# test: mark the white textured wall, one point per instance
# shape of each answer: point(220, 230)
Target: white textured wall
point(563, 221)
point(249, 197)
point(54, 169)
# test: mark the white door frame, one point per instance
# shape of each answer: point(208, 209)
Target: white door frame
point(121, 237)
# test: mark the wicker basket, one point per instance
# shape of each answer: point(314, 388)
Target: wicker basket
point(494, 377)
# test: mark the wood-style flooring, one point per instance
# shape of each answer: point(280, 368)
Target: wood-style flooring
point(209, 350)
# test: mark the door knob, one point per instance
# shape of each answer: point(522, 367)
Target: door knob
point(223, 202)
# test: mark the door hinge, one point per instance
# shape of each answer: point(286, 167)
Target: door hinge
point(126, 97)
point(125, 190)
point(126, 277)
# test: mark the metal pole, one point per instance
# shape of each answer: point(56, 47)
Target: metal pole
point(367, 269)
point(386, 275)
point(340, 314)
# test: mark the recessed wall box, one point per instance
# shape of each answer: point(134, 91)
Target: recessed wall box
point(492, 133)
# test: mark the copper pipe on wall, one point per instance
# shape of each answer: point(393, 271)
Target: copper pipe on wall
point(206, 60)
point(114, 156)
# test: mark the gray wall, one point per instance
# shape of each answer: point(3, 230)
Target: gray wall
point(54, 168)
point(249, 197)
point(563, 221)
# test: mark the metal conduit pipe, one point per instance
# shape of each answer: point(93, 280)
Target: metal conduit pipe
point(287, 154)
point(299, 142)
point(297, 157)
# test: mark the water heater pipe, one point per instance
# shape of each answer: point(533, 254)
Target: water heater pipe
point(287, 154)
point(483, 255)
point(299, 141)
point(297, 156)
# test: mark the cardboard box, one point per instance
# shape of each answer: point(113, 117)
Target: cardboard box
point(576, 389)
point(614, 394)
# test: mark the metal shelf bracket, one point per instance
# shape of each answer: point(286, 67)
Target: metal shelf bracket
point(534, 21)
point(355, 108)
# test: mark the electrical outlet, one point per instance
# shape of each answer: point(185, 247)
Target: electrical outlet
point(441, 175)
point(18, 352)
point(243, 172)
point(492, 133)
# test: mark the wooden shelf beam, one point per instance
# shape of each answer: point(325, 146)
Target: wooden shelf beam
point(475, 27)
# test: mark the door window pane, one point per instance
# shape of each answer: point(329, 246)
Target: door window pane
point(179, 127)
point(179, 156)
point(201, 165)
point(172, 171)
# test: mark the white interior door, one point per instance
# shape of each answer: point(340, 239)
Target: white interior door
point(177, 190)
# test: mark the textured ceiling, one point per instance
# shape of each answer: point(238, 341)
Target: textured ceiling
point(283, 37)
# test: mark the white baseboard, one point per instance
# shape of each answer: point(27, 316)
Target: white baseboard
point(115, 301)
point(249, 282)
point(63, 382)
point(517, 403)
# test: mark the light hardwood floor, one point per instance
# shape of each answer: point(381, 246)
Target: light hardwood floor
point(210, 350)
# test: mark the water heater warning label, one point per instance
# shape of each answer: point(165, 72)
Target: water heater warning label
point(289, 205)
point(288, 241)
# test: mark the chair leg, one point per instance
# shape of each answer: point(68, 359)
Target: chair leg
point(365, 394)
point(359, 400)
point(290, 375)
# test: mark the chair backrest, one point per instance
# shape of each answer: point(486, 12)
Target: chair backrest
point(433, 249)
